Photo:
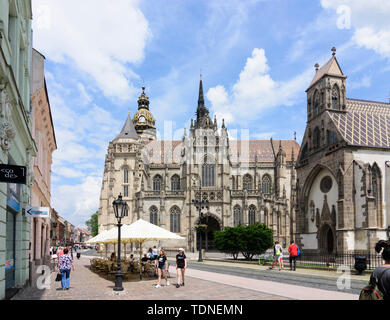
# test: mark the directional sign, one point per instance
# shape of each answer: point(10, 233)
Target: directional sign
point(13, 174)
point(38, 212)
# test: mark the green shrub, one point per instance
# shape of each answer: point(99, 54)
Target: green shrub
point(250, 240)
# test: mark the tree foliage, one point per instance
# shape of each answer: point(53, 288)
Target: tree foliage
point(250, 240)
point(92, 224)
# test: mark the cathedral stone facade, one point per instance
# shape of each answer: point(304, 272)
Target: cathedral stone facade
point(244, 181)
point(343, 169)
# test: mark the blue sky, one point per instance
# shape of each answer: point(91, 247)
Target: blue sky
point(257, 59)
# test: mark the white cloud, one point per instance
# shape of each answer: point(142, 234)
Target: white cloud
point(79, 201)
point(100, 40)
point(370, 21)
point(85, 98)
point(255, 91)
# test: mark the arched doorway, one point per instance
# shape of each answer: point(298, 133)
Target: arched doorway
point(326, 239)
point(208, 234)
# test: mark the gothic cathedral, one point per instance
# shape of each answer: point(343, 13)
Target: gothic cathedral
point(244, 181)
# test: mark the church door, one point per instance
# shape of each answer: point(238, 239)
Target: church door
point(208, 234)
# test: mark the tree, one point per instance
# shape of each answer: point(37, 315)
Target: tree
point(92, 224)
point(249, 240)
point(226, 241)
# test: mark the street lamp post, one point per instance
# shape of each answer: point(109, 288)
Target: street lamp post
point(200, 204)
point(120, 208)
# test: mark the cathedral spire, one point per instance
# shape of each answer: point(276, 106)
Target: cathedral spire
point(202, 113)
point(201, 95)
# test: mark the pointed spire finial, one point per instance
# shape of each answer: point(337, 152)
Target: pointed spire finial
point(295, 135)
point(316, 66)
point(334, 51)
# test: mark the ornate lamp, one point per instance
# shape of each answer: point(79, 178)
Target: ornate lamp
point(120, 210)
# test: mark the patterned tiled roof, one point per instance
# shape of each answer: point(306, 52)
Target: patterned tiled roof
point(366, 123)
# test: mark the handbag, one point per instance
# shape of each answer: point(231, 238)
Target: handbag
point(58, 277)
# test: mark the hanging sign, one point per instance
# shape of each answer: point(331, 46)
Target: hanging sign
point(13, 174)
point(38, 212)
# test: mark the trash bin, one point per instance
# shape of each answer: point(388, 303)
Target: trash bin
point(360, 264)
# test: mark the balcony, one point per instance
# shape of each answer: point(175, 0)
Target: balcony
point(175, 194)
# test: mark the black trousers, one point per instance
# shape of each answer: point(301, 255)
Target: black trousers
point(291, 262)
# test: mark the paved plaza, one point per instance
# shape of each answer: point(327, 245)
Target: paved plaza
point(200, 285)
point(86, 285)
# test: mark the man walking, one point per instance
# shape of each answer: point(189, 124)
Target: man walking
point(293, 250)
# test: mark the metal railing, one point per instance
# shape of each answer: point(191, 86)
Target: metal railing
point(328, 261)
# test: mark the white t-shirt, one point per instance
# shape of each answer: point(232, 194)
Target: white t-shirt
point(278, 247)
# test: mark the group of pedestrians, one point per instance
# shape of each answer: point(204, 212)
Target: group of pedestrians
point(294, 253)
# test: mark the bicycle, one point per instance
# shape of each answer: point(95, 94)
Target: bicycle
point(264, 260)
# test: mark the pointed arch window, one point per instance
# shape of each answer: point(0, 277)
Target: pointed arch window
point(332, 137)
point(175, 219)
point(266, 184)
point(316, 103)
point(175, 183)
point(153, 215)
point(377, 194)
point(126, 175)
point(335, 98)
point(316, 138)
point(248, 182)
point(208, 172)
point(237, 216)
point(252, 215)
point(157, 183)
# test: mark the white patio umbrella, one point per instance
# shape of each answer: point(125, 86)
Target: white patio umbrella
point(102, 238)
point(141, 231)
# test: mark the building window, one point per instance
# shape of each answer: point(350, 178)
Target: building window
point(126, 191)
point(157, 182)
point(332, 137)
point(175, 183)
point(154, 215)
point(247, 184)
point(266, 185)
point(375, 189)
point(208, 173)
point(126, 176)
point(316, 138)
point(237, 216)
point(316, 104)
point(252, 215)
point(175, 220)
point(335, 98)
point(233, 184)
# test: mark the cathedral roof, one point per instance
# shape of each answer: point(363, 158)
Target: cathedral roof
point(365, 124)
point(162, 151)
point(128, 131)
point(262, 149)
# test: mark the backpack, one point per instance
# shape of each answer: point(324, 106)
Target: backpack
point(372, 291)
point(278, 252)
point(298, 252)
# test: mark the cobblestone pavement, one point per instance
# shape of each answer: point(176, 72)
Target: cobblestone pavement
point(86, 285)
